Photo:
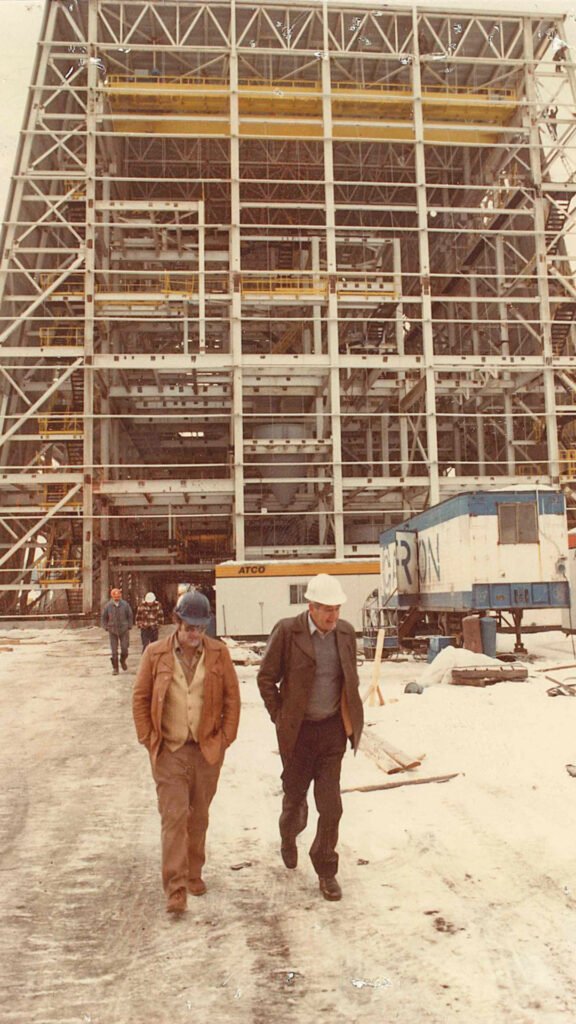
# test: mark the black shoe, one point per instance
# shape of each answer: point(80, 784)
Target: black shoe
point(124, 664)
point(330, 889)
point(289, 852)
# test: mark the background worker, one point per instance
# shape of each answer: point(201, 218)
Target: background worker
point(149, 617)
point(309, 683)
point(186, 708)
point(118, 620)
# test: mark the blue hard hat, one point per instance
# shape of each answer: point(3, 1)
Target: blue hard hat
point(194, 609)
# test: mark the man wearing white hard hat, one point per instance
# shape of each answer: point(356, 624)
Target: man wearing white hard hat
point(149, 617)
point(309, 683)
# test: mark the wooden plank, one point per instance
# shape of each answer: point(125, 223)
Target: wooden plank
point(401, 782)
point(555, 668)
point(379, 746)
point(485, 676)
point(379, 757)
point(374, 695)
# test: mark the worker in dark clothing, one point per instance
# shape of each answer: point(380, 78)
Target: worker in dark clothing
point(118, 620)
point(309, 683)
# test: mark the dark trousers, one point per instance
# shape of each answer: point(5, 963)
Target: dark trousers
point(123, 640)
point(185, 785)
point(317, 757)
point(148, 636)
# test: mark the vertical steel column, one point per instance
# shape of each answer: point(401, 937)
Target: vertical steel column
point(505, 350)
point(480, 439)
point(424, 253)
point(404, 466)
point(541, 265)
point(236, 300)
point(104, 509)
point(201, 279)
point(332, 308)
point(104, 405)
point(92, 73)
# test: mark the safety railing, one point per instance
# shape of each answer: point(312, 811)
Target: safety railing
point(54, 493)
point(69, 337)
point(529, 469)
point(68, 571)
point(568, 462)
point(286, 284)
point(66, 422)
point(148, 77)
point(168, 284)
point(74, 189)
point(71, 287)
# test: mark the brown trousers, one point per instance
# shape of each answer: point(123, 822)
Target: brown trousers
point(185, 785)
point(317, 757)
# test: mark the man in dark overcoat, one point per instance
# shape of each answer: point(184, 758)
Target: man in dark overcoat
point(309, 683)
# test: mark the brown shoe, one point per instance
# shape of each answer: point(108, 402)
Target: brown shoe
point(289, 852)
point(196, 886)
point(176, 902)
point(330, 889)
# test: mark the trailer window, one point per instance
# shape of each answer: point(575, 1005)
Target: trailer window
point(518, 523)
point(297, 591)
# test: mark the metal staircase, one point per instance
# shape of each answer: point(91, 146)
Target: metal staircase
point(556, 219)
point(561, 327)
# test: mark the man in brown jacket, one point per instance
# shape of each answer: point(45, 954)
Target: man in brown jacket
point(186, 707)
point(309, 683)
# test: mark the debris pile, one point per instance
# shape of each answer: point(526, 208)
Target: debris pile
point(244, 652)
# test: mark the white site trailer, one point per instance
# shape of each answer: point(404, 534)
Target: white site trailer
point(502, 551)
point(252, 596)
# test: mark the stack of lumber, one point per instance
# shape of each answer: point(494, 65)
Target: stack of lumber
point(487, 675)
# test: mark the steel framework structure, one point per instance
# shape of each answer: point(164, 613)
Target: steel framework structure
point(273, 277)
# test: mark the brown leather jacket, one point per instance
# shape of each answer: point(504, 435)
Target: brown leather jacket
point(286, 674)
point(221, 708)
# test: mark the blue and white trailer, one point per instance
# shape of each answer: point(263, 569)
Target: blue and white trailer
point(501, 551)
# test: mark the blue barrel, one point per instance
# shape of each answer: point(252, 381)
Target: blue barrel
point(488, 634)
point(437, 644)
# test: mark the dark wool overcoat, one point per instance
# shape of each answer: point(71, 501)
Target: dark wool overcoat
point(286, 676)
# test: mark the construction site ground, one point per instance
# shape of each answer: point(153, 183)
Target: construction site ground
point(459, 897)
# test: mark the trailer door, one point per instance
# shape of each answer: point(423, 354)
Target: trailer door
point(407, 564)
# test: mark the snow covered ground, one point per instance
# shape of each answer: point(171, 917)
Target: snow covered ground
point(459, 898)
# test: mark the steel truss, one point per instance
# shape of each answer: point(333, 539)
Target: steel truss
point(274, 276)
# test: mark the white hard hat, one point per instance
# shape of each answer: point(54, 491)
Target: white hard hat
point(150, 597)
point(325, 589)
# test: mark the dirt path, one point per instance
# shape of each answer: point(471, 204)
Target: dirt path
point(463, 912)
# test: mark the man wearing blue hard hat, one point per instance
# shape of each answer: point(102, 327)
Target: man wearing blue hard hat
point(186, 707)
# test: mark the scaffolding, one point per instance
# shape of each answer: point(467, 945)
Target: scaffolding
point(274, 277)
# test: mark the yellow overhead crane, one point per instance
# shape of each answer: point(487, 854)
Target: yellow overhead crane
point(283, 108)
